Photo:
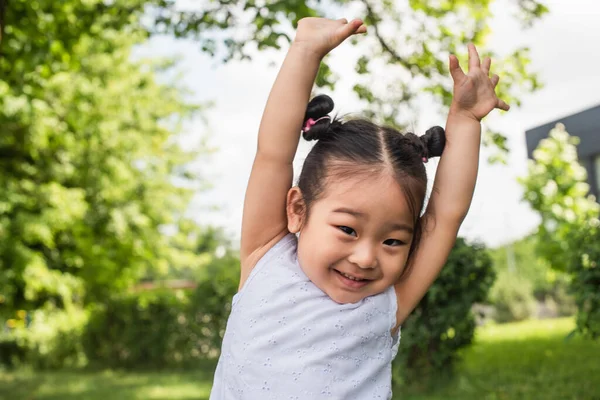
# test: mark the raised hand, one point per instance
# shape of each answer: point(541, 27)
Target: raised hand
point(474, 92)
point(321, 35)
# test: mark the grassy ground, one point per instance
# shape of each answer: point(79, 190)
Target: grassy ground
point(106, 385)
point(530, 360)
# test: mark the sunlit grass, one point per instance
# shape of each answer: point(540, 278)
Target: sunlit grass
point(528, 360)
point(108, 385)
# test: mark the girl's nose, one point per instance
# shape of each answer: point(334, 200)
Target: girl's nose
point(364, 255)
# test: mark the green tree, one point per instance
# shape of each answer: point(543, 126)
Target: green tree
point(569, 235)
point(90, 165)
point(410, 40)
point(408, 44)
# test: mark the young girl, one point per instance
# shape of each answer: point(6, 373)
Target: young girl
point(332, 267)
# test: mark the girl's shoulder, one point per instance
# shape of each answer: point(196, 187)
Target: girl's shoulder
point(268, 251)
point(285, 243)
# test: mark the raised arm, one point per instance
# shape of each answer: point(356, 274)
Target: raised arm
point(474, 98)
point(264, 218)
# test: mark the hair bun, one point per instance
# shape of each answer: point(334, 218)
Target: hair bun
point(434, 141)
point(319, 107)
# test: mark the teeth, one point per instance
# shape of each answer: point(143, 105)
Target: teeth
point(351, 277)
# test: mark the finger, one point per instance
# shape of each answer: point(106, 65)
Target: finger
point(354, 26)
point(495, 79)
point(502, 105)
point(361, 29)
point(343, 20)
point(455, 70)
point(486, 64)
point(474, 61)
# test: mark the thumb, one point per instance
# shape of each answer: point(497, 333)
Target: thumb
point(502, 105)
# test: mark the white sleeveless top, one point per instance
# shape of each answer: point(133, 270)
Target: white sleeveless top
point(287, 339)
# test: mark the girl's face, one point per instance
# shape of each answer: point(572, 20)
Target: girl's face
point(356, 240)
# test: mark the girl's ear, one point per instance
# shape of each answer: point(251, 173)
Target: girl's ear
point(296, 210)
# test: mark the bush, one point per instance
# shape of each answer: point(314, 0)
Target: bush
point(547, 285)
point(51, 340)
point(211, 302)
point(569, 234)
point(11, 354)
point(563, 298)
point(586, 284)
point(443, 323)
point(136, 330)
point(512, 297)
point(164, 328)
point(520, 259)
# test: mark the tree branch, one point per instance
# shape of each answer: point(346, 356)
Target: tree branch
point(384, 45)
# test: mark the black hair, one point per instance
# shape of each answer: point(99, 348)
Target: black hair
point(359, 142)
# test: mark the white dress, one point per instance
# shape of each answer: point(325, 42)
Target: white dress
point(286, 339)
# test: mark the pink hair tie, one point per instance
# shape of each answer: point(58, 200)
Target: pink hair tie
point(310, 122)
point(424, 159)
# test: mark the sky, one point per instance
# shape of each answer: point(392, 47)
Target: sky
point(563, 51)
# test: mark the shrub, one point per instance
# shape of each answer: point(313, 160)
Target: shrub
point(51, 340)
point(586, 284)
point(569, 234)
point(512, 297)
point(135, 330)
point(548, 285)
point(520, 259)
point(563, 298)
point(443, 323)
point(210, 303)
point(164, 328)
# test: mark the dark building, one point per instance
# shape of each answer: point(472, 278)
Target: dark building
point(585, 125)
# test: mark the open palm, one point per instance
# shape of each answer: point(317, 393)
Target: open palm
point(474, 92)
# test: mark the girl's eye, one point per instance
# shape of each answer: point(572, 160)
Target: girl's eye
point(394, 242)
point(347, 230)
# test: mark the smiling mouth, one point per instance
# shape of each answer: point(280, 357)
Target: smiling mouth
point(352, 281)
point(351, 277)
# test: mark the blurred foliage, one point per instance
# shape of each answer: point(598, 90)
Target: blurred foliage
point(139, 328)
point(404, 55)
point(164, 328)
point(443, 322)
point(512, 297)
point(46, 338)
point(540, 365)
point(524, 276)
point(408, 42)
point(90, 165)
point(569, 235)
point(520, 259)
point(145, 330)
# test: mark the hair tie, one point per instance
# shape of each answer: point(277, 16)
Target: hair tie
point(310, 122)
point(424, 159)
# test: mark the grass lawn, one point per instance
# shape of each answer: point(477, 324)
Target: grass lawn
point(108, 385)
point(529, 360)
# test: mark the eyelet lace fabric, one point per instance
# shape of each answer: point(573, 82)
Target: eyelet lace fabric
point(286, 339)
